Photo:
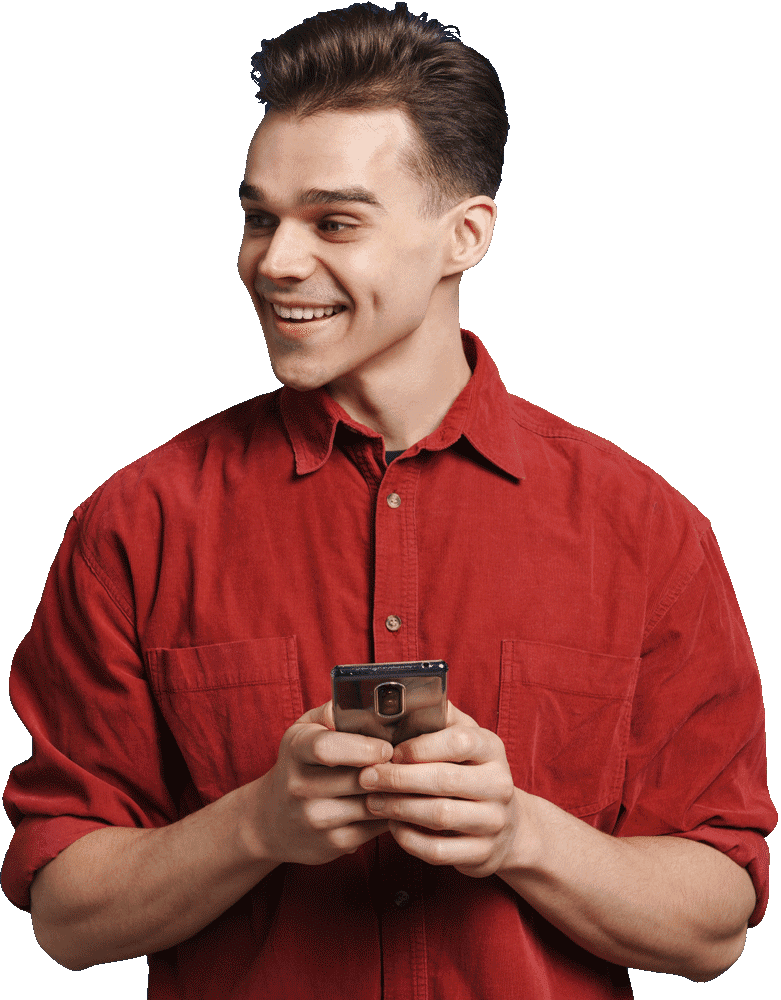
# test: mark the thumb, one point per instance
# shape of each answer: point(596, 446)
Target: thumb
point(321, 716)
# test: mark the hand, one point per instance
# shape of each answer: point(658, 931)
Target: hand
point(310, 807)
point(449, 797)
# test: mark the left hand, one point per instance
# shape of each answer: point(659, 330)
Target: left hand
point(448, 797)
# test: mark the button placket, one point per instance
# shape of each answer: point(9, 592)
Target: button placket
point(396, 566)
point(393, 622)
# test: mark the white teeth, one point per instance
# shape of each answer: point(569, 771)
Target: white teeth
point(304, 312)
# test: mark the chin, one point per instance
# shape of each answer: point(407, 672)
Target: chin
point(300, 380)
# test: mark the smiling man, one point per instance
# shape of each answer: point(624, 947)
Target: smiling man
point(597, 799)
point(351, 238)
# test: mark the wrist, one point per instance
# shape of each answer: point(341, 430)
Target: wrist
point(251, 829)
point(531, 841)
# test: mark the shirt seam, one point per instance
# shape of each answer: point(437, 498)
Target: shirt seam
point(575, 433)
point(103, 578)
point(670, 598)
point(191, 438)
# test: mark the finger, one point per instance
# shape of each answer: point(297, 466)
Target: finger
point(454, 815)
point(350, 838)
point(331, 814)
point(323, 715)
point(457, 743)
point(436, 849)
point(314, 781)
point(312, 744)
point(456, 717)
point(438, 780)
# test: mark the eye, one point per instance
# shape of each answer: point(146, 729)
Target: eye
point(258, 220)
point(334, 226)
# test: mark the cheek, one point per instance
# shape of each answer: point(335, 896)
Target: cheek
point(416, 277)
point(247, 264)
point(419, 260)
point(400, 279)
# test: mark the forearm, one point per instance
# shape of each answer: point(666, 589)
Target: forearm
point(665, 904)
point(119, 893)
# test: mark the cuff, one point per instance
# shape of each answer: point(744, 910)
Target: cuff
point(36, 841)
point(746, 848)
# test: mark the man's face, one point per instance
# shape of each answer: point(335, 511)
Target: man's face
point(333, 225)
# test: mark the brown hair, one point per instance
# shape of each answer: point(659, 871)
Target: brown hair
point(364, 58)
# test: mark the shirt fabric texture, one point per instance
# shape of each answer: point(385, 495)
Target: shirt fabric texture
point(202, 595)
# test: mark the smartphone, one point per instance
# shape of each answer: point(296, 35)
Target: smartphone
point(392, 701)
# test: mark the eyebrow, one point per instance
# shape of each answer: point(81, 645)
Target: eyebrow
point(318, 196)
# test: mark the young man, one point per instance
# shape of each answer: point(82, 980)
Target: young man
point(597, 798)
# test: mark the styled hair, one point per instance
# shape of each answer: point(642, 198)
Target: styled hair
point(367, 58)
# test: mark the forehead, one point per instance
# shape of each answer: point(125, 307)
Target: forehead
point(332, 150)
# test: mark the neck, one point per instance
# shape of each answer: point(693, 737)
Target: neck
point(406, 395)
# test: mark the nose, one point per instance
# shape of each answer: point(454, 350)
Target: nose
point(287, 255)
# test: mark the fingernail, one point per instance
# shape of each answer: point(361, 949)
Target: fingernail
point(375, 802)
point(369, 778)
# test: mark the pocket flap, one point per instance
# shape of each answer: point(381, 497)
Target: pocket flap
point(563, 668)
point(222, 665)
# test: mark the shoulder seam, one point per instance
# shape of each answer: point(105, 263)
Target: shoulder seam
point(580, 435)
point(572, 432)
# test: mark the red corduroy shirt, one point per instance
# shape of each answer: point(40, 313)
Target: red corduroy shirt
point(202, 596)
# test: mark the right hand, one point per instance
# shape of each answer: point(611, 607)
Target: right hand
point(310, 808)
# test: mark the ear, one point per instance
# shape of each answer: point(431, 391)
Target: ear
point(471, 225)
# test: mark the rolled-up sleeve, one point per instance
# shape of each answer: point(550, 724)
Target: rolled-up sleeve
point(696, 765)
point(79, 686)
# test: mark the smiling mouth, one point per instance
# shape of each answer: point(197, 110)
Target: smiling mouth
point(304, 314)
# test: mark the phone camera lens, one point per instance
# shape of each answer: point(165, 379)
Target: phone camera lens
point(389, 700)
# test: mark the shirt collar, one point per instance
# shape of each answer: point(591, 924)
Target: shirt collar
point(481, 413)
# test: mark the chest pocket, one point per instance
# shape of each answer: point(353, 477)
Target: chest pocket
point(228, 706)
point(564, 717)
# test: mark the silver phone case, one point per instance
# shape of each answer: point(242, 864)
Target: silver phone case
point(390, 701)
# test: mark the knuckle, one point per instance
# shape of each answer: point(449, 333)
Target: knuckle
point(343, 840)
point(458, 781)
point(439, 850)
point(482, 858)
point(297, 787)
point(444, 814)
point(319, 748)
point(506, 789)
point(315, 814)
point(295, 736)
point(496, 820)
point(392, 808)
point(461, 742)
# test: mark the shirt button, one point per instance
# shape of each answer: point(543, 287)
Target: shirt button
point(393, 623)
point(401, 899)
point(394, 500)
